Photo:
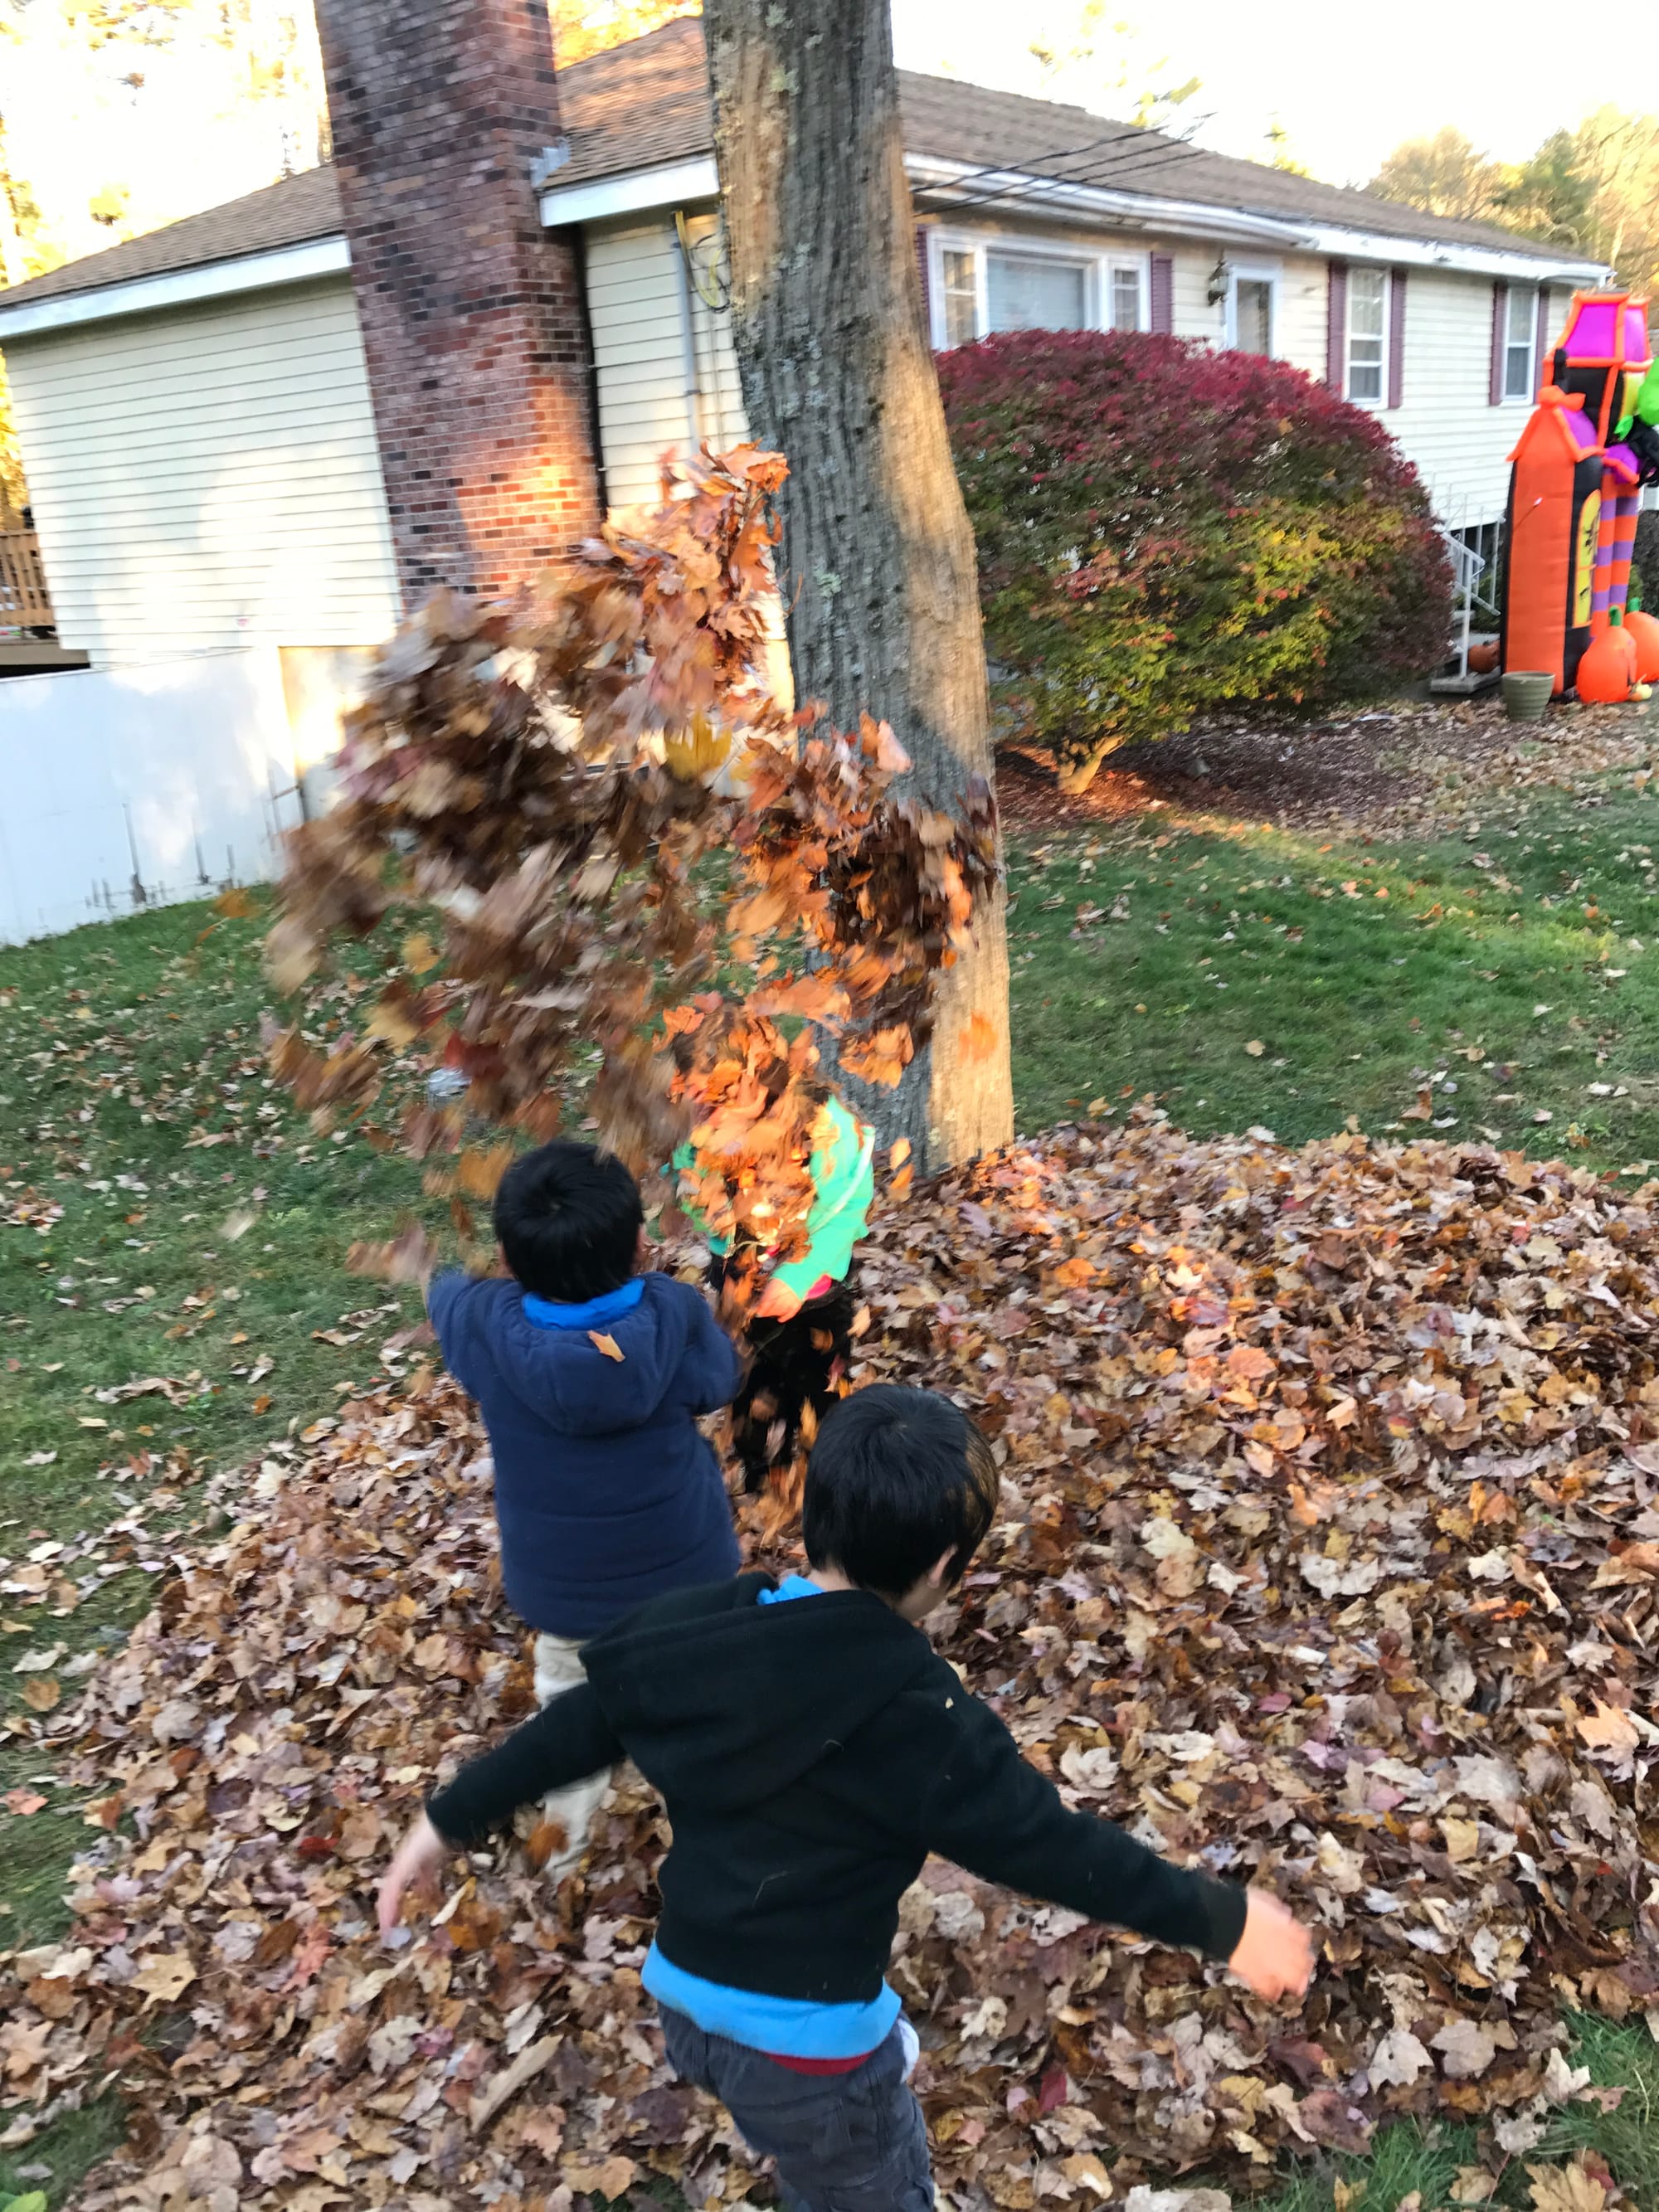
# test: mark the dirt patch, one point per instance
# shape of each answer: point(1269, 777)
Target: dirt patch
point(1407, 768)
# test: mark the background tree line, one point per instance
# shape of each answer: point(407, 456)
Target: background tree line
point(1593, 191)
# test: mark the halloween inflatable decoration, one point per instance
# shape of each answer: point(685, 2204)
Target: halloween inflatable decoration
point(1576, 476)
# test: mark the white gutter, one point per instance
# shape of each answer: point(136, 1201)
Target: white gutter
point(176, 288)
point(1341, 244)
point(676, 183)
point(961, 186)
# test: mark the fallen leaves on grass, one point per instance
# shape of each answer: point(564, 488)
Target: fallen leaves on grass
point(1329, 1522)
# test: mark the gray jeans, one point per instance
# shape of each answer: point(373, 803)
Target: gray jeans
point(842, 2142)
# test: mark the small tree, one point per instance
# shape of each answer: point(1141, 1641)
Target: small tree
point(1164, 531)
point(557, 790)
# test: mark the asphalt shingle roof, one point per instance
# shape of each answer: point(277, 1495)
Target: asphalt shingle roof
point(287, 214)
point(646, 102)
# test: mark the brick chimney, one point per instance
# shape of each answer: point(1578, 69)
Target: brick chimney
point(471, 312)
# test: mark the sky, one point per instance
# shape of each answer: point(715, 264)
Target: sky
point(1345, 83)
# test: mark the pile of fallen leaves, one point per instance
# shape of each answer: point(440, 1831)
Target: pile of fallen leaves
point(1328, 1558)
point(623, 845)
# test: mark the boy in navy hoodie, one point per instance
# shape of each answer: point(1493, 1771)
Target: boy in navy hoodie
point(590, 1377)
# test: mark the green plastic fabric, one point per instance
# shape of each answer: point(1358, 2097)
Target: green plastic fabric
point(844, 1189)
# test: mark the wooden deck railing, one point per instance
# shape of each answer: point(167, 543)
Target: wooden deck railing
point(24, 602)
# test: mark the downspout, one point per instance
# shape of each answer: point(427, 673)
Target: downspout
point(590, 366)
point(694, 410)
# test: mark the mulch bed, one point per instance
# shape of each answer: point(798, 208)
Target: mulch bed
point(1409, 769)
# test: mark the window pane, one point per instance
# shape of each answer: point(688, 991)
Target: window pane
point(1253, 314)
point(1126, 299)
point(1031, 293)
point(960, 299)
point(1517, 371)
point(1367, 294)
point(1523, 309)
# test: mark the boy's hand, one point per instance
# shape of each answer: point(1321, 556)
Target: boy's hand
point(1274, 1955)
point(414, 1866)
point(777, 1302)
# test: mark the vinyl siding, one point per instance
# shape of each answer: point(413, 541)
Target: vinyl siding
point(637, 303)
point(1445, 421)
point(207, 479)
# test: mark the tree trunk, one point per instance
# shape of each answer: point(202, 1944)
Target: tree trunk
point(878, 570)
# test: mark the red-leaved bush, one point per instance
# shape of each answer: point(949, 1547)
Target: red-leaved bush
point(1163, 530)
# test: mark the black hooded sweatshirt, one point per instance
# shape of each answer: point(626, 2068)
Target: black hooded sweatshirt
point(811, 1756)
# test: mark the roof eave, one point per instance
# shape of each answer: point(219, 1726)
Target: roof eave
point(958, 186)
point(176, 288)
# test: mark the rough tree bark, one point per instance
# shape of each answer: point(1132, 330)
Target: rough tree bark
point(878, 554)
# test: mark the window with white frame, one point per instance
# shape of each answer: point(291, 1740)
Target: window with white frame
point(1128, 296)
point(1035, 292)
point(1368, 335)
point(1520, 333)
point(1253, 308)
point(984, 285)
point(960, 287)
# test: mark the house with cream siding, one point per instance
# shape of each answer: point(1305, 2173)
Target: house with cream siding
point(198, 412)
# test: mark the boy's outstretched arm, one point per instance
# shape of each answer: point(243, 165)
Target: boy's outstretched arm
point(717, 1364)
point(992, 1811)
point(565, 1742)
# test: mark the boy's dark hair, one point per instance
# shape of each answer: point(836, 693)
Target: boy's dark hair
point(897, 1477)
point(569, 1217)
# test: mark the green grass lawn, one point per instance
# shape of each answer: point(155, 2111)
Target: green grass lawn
point(1248, 976)
point(164, 1217)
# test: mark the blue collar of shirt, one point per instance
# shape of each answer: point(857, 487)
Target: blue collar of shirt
point(549, 1313)
point(791, 1586)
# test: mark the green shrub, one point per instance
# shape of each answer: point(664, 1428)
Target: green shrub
point(1164, 530)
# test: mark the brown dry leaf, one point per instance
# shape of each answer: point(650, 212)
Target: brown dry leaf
point(164, 1976)
point(602, 1342)
point(488, 2100)
point(1608, 1728)
point(1565, 2188)
point(41, 1692)
point(608, 2180)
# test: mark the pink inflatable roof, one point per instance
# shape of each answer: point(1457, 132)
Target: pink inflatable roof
point(1592, 332)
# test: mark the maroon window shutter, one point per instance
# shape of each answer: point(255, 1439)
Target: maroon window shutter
point(1336, 329)
point(921, 271)
point(1540, 352)
point(1500, 331)
point(1396, 335)
point(1162, 303)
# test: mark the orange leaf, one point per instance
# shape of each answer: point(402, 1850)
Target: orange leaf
point(608, 1345)
point(978, 1038)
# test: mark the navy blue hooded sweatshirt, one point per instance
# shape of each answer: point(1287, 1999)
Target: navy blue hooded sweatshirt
point(606, 1494)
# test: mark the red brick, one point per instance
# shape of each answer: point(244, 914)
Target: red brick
point(472, 320)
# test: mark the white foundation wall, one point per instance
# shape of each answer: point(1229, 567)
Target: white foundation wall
point(134, 788)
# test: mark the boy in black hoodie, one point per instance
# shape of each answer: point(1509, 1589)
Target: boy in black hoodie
point(811, 1754)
